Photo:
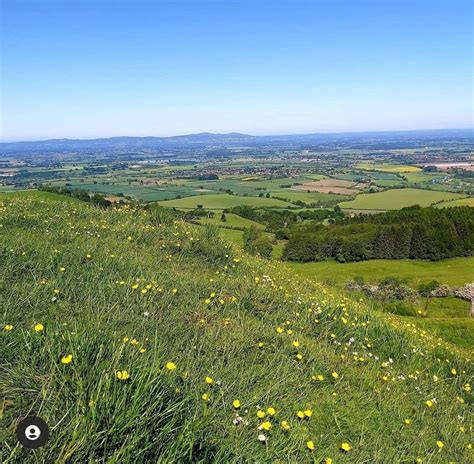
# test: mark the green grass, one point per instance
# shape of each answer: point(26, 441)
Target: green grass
point(384, 167)
point(398, 198)
point(460, 202)
point(222, 201)
point(38, 194)
point(232, 220)
point(454, 272)
point(309, 197)
point(186, 296)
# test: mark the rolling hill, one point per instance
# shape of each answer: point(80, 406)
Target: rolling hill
point(139, 338)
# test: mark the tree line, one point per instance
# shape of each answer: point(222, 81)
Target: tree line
point(410, 233)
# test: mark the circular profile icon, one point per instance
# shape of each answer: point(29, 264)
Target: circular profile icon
point(32, 432)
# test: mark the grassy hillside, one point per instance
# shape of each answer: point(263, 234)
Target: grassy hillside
point(398, 198)
point(140, 340)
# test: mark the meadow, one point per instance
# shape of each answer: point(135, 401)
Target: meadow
point(398, 198)
point(222, 201)
point(453, 272)
point(144, 339)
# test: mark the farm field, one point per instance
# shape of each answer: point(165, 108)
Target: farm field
point(232, 220)
point(460, 202)
point(398, 198)
point(338, 186)
point(222, 201)
point(398, 168)
point(309, 197)
point(453, 272)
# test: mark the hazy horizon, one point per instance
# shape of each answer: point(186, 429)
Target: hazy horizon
point(84, 69)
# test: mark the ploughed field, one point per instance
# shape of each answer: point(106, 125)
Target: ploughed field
point(144, 339)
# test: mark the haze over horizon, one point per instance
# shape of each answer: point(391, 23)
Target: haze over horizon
point(83, 69)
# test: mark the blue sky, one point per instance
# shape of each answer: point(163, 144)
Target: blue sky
point(80, 68)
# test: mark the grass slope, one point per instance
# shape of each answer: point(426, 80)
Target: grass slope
point(398, 198)
point(197, 326)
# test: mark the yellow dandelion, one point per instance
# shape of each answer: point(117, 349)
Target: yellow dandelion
point(236, 404)
point(123, 375)
point(267, 425)
point(66, 359)
point(209, 380)
point(39, 327)
point(346, 447)
point(284, 425)
point(300, 414)
point(271, 411)
point(310, 445)
point(429, 403)
point(205, 397)
point(308, 413)
point(261, 414)
point(171, 366)
point(439, 444)
point(8, 327)
point(335, 375)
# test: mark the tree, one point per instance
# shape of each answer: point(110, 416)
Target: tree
point(426, 290)
point(223, 217)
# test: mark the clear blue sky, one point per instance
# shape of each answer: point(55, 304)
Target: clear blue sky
point(83, 68)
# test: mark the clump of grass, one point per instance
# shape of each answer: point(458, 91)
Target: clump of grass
point(152, 330)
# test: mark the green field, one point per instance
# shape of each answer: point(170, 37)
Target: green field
point(399, 168)
point(460, 202)
point(454, 272)
point(398, 198)
point(39, 195)
point(309, 197)
point(221, 202)
point(232, 220)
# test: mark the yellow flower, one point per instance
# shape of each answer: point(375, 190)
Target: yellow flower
point(335, 375)
point(142, 350)
point(296, 343)
point(62, 269)
point(308, 413)
point(66, 359)
point(171, 366)
point(346, 447)
point(39, 327)
point(284, 425)
point(205, 397)
point(454, 372)
point(8, 327)
point(467, 387)
point(300, 414)
point(125, 339)
point(260, 344)
point(407, 421)
point(123, 375)
point(236, 404)
point(271, 411)
point(209, 380)
point(261, 414)
point(134, 342)
point(267, 425)
point(310, 445)
point(299, 357)
point(319, 377)
point(439, 444)
point(419, 461)
point(429, 403)
point(328, 461)
point(279, 330)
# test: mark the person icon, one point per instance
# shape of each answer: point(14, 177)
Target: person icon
point(32, 432)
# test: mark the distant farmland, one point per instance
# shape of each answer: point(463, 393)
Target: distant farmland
point(398, 198)
point(222, 201)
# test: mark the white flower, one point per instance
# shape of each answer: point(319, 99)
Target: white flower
point(262, 438)
point(146, 313)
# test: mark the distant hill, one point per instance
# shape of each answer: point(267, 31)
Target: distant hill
point(372, 140)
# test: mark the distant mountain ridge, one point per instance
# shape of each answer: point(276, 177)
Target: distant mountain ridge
point(121, 143)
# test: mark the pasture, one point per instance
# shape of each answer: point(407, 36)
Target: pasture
point(398, 198)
